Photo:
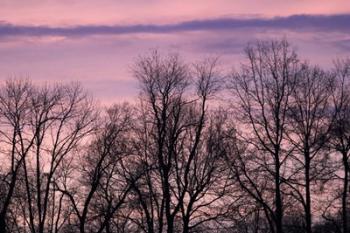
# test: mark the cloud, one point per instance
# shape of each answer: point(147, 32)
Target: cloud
point(294, 22)
point(100, 56)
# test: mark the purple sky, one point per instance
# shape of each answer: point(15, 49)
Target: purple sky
point(96, 42)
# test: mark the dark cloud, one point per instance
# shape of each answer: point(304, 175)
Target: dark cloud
point(294, 22)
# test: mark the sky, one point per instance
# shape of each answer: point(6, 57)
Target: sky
point(96, 42)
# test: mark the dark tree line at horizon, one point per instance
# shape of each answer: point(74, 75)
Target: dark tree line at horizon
point(263, 149)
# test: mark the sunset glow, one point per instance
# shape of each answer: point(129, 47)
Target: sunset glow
point(182, 116)
point(95, 42)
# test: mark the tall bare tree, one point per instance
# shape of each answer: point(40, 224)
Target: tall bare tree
point(105, 181)
point(262, 92)
point(340, 134)
point(308, 131)
point(16, 138)
point(61, 117)
point(174, 144)
point(181, 159)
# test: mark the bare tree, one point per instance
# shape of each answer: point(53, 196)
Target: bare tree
point(105, 181)
point(340, 134)
point(270, 159)
point(175, 145)
point(262, 91)
point(308, 131)
point(60, 118)
point(16, 141)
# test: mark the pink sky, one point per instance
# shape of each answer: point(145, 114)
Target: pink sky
point(104, 37)
point(68, 12)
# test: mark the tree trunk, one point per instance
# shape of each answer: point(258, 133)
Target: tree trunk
point(345, 194)
point(2, 223)
point(279, 210)
point(170, 228)
point(308, 220)
point(186, 225)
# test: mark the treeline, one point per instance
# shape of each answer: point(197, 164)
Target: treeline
point(263, 149)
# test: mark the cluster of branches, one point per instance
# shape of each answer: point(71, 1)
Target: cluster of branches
point(264, 149)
